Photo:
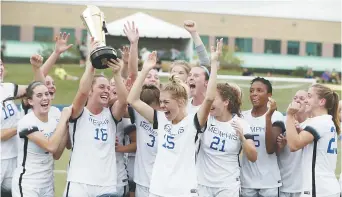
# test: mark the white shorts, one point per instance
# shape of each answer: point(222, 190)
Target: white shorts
point(268, 192)
point(191, 195)
point(141, 191)
point(287, 194)
point(20, 191)
point(81, 190)
point(7, 169)
point(205, 191)
point(122, 190)
point(310, 195)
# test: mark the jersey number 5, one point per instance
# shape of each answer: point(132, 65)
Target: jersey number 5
point(101, 134)
point(169, 144)
point(331, 148)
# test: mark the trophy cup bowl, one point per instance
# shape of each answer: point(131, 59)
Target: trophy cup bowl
point(93, 19)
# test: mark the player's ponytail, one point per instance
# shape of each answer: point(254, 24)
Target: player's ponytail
point(334, 112)
point(331, 103)
point(177, 89)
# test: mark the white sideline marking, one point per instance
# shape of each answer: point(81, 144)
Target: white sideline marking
point(60, 171)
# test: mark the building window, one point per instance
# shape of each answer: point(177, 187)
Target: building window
point(9, 32)
point(71, 31)
point(293, 48)
point(243, 44)
point(84, 35)
point(337, 50)
point(205, 40)
point(225, 39)
point(313, 49)
point(272, 46)
point(43, 34)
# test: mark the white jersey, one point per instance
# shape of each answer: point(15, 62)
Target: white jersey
point(264, 172)
point(192, 109)
point(218, 162)
point(9, 118)
point(291, 169)
point(93, 156)
point(53, 111)
point(174, 171)
point(322, 154)
point(120, 157)
point(35, 165)
point(147, 144)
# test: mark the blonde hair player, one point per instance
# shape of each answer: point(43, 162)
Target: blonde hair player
point(174, 171)
point(319, 141)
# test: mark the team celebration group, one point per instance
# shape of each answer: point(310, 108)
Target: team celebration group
point(130, 135)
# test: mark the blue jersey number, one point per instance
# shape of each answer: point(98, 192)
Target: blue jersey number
point(101, 134)
point(8, 111)
point(216, 141)
point(255, 139)
point(332, 150)
point(169, 144)
point(153, 140)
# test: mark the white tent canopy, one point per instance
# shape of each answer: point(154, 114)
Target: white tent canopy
point(148, 26)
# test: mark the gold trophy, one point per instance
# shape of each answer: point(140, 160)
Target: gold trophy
point(93, 19)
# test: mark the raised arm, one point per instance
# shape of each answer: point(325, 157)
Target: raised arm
point(60, 47)
point(132, 34)
point(203, 57)
point(134, 95)
point(125, 56)
point(36, 62)
point(272, 130)
point(62, 145)
point(84, 87)
point(119, 107)
point(210, 95)
point(49, 144)
point(296, 140)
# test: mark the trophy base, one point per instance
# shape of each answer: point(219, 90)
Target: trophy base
point(100, 57)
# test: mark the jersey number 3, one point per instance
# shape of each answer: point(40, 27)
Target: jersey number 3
point(101, 134)
point(331, 149)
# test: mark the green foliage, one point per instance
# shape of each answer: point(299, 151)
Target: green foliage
point(71, 56)
point(228, 59)
point(300, 71)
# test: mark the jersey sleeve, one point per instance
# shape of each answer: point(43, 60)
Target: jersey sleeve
point(246, 128)
point(313, 126)
point(24, 128)
point(11, 89)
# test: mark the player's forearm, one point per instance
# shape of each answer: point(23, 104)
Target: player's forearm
point(269, 138)
point(291, 133)
point(134, 94)
point(61, 147)
point(133, 61)
point(250, 150)
point(50, 62)
point(200, 49)
point(6, 134)
point(38, 74)
point(56, 139)
point(87, 79)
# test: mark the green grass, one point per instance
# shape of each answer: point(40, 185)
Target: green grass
point(66, 90)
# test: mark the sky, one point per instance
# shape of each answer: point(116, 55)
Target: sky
point(326, 10)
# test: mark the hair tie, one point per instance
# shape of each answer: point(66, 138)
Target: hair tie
point(206, 70)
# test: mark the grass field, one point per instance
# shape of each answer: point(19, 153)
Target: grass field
point(66, 90)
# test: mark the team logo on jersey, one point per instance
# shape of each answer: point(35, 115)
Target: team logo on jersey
point(258, 129)
point(168, 129)
point(98, 123)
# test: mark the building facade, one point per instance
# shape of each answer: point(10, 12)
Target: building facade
point(30, 22)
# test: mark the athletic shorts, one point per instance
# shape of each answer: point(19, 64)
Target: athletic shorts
point(191, 195)
point(7, 169)
point(26, 191)
point(310, 195)
point(269, 192)
point(80, 190)
point(205, 191)
point(287, 194)
point(141, 191)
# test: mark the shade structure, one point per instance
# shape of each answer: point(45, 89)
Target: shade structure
point(149, 27)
